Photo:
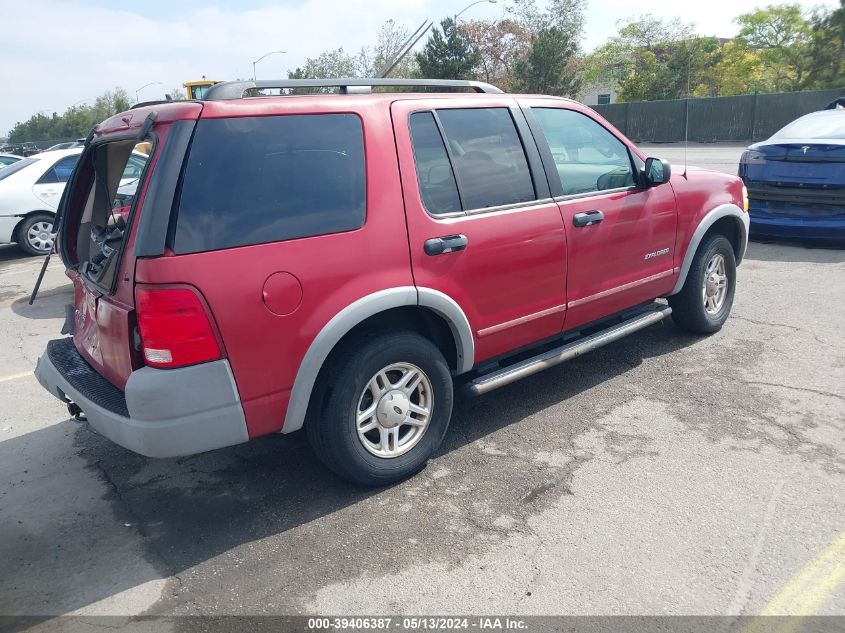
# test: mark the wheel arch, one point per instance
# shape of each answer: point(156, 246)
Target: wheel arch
point(726, 219)
point(24, 217)
point(429, 312)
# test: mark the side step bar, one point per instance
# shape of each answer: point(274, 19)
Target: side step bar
point(553, 357)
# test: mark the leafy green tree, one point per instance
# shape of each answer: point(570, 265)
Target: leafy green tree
point(76, 121)
point(550, 66)
point(448, 54)
point(650, 58)
point(827, 49)
point(782, 35)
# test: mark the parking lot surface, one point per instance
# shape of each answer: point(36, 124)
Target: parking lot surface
point(663, 474)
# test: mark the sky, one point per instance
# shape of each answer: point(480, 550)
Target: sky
point(60, 52)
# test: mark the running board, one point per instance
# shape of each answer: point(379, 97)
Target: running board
point(553, 357)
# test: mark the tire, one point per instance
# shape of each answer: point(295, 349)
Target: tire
point(357, 387)
point(31, 234)
point(702, 306)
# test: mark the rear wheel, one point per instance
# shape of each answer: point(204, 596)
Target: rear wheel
point(35, 234)
point(386, 409)
point(704, 303)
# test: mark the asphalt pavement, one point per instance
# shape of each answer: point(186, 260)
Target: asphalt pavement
point(663, 474)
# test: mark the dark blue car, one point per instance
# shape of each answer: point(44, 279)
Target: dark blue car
point(796, 179)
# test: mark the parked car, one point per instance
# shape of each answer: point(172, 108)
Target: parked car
point(351, 259)
point(796, 179)
point(30, 191)
point(20, 149)
point(66, 145)
point(8, 159)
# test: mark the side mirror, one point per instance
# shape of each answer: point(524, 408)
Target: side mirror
point(657, 171)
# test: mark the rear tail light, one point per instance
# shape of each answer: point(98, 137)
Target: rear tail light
point(175, 327)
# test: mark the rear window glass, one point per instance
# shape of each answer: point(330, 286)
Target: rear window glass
point(823, 125)
point(252, 180)
point(16, 167)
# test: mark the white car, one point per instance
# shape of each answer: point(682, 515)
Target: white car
point(8, 159)
point(30, 190)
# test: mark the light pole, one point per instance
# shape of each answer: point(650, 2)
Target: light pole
point(152, 83)
point(458, 14)
point(260, 58)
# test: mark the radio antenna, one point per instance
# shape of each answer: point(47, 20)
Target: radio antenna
point(686, 133)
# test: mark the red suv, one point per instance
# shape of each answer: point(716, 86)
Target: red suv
point(342, 261)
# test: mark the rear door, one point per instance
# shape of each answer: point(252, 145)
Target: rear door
point(49, 187)
point(621, 235)
point(483, 228)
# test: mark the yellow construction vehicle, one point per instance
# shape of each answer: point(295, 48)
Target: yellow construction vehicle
point(196, 89)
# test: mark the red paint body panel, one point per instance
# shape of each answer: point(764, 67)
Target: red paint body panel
point(521, 269)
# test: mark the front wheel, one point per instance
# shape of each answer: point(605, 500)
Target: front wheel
point(704, 303)
point(386, 408)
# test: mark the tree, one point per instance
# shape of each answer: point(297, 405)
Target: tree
point(329, 65)
point(550, 65)
point(500, 45)
point(566, 15)
point(827, 49)
point(782, 35)
point(76, 121)
point(391, 36)
point(448, 54)
point(177, 94)
point(736, 69)
point(650, 59)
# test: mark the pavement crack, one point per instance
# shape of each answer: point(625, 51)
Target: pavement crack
point(819, 392)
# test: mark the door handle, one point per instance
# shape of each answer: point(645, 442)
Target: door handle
point(587, 218)
point(446, 244)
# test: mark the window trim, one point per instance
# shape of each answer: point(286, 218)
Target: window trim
point(555, 182)
point(542, 193)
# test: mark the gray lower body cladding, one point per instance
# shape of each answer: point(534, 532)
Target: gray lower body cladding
point(162, 412)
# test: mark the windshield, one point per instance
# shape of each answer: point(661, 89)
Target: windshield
point(818, 125)
point(16, 167)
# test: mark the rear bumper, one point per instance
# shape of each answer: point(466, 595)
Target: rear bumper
point(162, 412)
point(795, 225)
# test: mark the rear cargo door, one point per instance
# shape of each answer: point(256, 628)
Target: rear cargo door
point(105, 205)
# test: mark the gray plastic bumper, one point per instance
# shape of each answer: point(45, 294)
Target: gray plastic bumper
point(171, 412)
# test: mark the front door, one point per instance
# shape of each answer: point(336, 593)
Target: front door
point(483, 228)
point(621, 235)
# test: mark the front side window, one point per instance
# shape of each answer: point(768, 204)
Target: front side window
point(588, 158)
point(252, 180)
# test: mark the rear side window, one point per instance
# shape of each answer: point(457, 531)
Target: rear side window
point(61, 171)
point(437, 181)
point(253, 180)
point(488, 163)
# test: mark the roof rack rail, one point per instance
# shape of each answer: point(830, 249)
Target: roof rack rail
point(144, 104)
point(237, 89)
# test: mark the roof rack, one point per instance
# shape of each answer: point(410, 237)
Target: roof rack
point(237, 89)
